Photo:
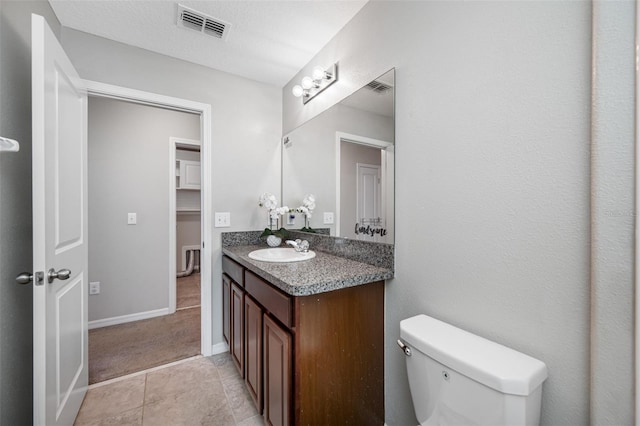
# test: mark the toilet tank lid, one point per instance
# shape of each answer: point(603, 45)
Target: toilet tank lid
point(494, 365)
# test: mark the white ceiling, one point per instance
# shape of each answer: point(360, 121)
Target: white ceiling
point(269, 40)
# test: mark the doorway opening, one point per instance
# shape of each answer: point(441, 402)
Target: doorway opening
point(142, 265)
point(185, 222)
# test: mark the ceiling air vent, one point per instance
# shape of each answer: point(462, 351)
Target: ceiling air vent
point(198, 21)
point(378, 86)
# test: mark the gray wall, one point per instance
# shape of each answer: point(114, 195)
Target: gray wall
point(187, 234)
point(16, 314)
point(492, 165)
point(613, 213)
point(246, 128)
point(129, 171)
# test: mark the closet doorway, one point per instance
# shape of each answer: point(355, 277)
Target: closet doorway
point(185, 222)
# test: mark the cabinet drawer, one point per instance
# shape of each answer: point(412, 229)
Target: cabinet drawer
point(233, 269)
point(274, 301)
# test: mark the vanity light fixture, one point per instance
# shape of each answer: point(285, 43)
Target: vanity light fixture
point(321, 78)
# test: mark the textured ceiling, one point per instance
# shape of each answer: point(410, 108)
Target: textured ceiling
point(269, 41)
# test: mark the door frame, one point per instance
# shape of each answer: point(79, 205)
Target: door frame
point(98, 89)
point(362, 140)
point(636, 262)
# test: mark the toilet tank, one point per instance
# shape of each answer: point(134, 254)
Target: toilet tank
point(459, 378)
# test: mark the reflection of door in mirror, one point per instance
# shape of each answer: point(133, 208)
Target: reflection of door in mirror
point(363, 193)
point(368, 214)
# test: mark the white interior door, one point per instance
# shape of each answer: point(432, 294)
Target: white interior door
point(59, 231)
point(368, 195)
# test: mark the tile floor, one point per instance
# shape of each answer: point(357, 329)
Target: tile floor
point(198, 391)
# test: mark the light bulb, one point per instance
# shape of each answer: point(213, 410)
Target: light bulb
point(297, 91)
point(307, 83)
point(318, 73)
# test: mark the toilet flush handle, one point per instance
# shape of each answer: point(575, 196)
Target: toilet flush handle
point(405, 348)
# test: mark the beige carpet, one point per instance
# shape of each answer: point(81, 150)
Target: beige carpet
point(123, 349)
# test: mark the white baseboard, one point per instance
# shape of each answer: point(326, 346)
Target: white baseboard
point(219, 348)
point(128, 318)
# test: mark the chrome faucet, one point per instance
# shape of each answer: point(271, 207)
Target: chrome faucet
point(299, 245)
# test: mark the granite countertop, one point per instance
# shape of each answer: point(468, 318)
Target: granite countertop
point(323, 273)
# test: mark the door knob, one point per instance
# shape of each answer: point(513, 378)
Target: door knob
point(62, 274)
point(26, 278)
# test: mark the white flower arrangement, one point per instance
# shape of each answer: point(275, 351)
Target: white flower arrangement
point(278, 211)
point(267, 200)
point(307, 207)
point(270, 202)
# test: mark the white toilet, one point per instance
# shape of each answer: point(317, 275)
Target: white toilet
point(458, 378)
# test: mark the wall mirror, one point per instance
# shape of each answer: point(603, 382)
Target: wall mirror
point(345, 158)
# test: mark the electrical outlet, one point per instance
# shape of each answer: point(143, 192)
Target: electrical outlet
point(94, 287)
point(132, 218)
point(328, 218)
point(291, 219)
point(222, 220)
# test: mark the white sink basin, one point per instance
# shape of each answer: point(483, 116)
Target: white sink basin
point(281, 254)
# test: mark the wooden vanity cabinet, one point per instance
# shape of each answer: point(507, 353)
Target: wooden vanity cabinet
point(226, 307)
point(253, 349)
point(322, 355)
point(236, 346)
point(277, 373)
point(339, 357)
point(233, 310)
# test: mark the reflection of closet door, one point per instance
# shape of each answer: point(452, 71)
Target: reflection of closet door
point(368, 194)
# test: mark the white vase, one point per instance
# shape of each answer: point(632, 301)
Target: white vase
point(273, 241)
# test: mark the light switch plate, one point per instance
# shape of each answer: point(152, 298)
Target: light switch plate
point(328, 218)
point(132, 218)
point(222, 219)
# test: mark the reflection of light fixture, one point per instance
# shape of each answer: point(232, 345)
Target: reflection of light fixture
point(307, 83)
point(318, 73)
point(309, 87)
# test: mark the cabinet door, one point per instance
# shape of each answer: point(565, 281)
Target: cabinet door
point(277, 373)
point(253, 350)
point(226, 307)
point(189, 174)
point(237, 327)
